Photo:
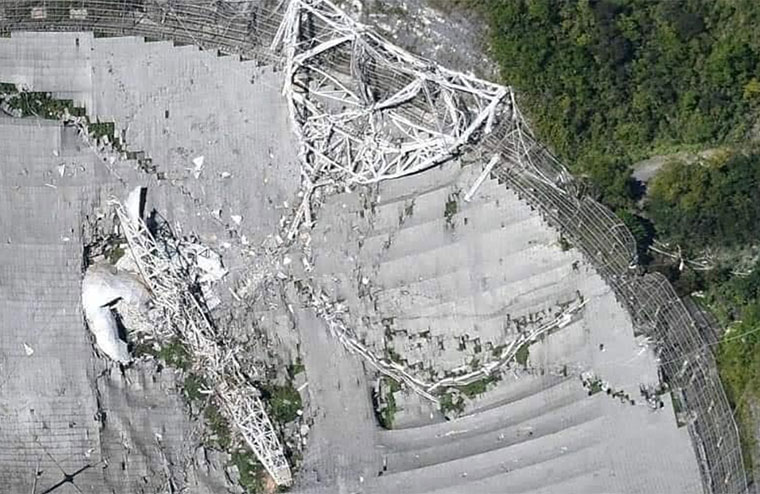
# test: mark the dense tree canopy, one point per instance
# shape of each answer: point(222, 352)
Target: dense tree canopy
point(713, 203)
point(611, 81)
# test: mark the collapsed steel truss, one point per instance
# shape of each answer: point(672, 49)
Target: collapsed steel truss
point(344, 80)
point(352, 131)
point(167, 276)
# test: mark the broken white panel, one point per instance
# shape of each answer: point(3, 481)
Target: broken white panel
point(134, 204)
point(210, 263)
point(102, 324)
point(198, 166)
point(101, 287)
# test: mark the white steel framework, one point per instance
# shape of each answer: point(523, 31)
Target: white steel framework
point(166, 275)
point(352, 131)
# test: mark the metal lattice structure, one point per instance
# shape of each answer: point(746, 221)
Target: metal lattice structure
point(355, 130)
point(365, 110)
point(167, 276)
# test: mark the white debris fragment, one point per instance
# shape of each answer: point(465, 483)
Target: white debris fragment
point(286, 261)
point(198, 164)
point(306, 264)
point(235, 295)
point(211, 264)
point(225, 174)
point(134, 205)
point(226, 245)
point(244, 240)
point(62, 169)
point(365, 280)
point(29, 351)
point(66, 239)
point(236, 218)
point(100, 288)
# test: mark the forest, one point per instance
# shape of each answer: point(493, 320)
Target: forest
point(607, 83)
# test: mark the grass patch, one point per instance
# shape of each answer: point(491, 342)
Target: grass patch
point(175, 354)
point(102, 129)
point(219, 427)
point(476, 388)
point(594, 387)
point(115, 253)
point(388, 414)
point(39, 105)
point(250, 470)
point(522, 354)
point(284, 402)
point(192, 387)
point(449, 403)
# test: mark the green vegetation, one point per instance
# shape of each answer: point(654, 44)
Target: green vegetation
point(595, 387)
point(451, 208)
point(476, 388)
point(115, 253)
point(192, 388)
point(37, 104)
point(102, 129)
point(175, 354)
point(451, 404)
point(715, 203)
point(608, 82)
point(220, 429)
point(251, 471)
point(284, 402)
point(387, 415)
point(736, 302)
point(522, 354)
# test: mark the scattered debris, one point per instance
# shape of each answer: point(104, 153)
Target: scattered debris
point(198, 166)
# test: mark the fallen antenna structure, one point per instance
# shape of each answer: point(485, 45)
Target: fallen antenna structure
point(364, 109)
point(167, 276)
